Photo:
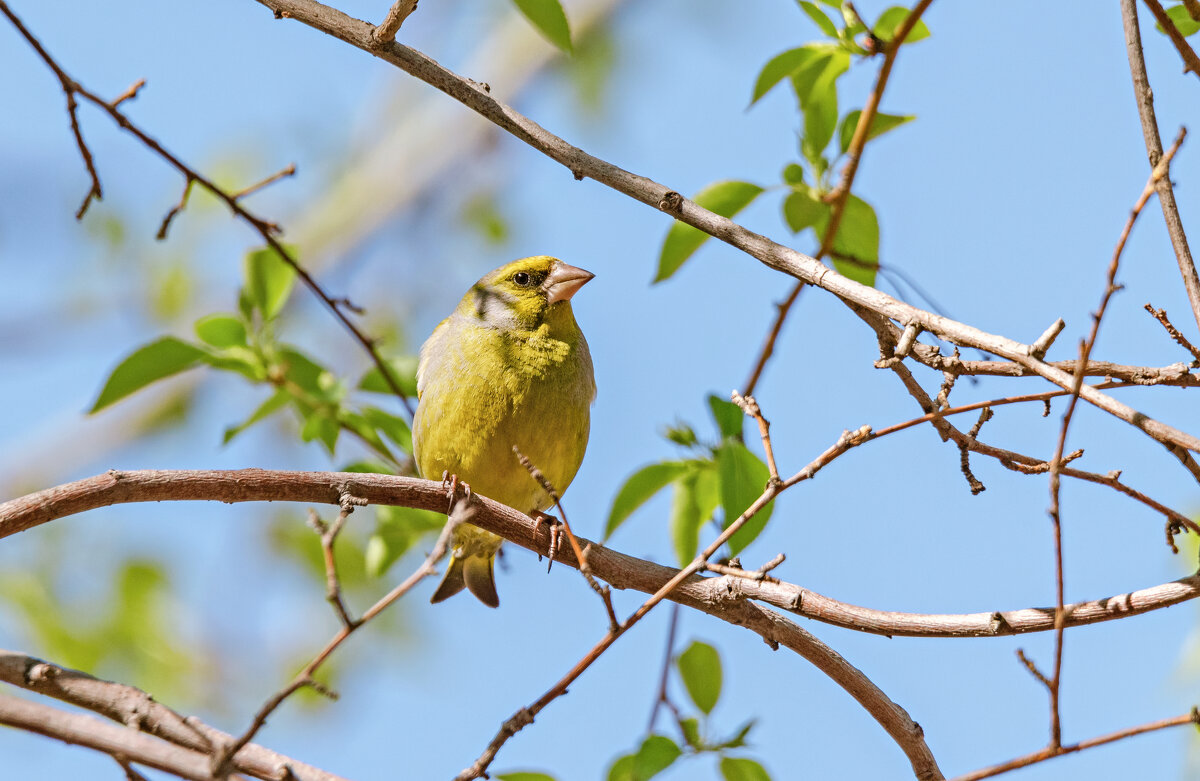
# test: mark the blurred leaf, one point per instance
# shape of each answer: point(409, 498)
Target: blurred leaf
point(319, 425)
point(691, 732)
point(482, 214)
point(145, 365)
point(656, 755)
point(396, 530)
point(550, 20)
point(802, 210)
point(891, 19)
point(404, 371)
point(881, 124)
point(391, 426)
point(269, 280)
point(815, 85)
point(638, 489)
point(700, 668)
point(309, 375)
point(366, 431)
point(524, 776)
point(819, 18)
point(241, 360)
point(857, 239)
point(723, 198)
point(591, 69)
point(290, 535)
point(277, 401)
point(1183, 21)
point(696, 498)
point(743, 477)
point(170, 289)
point(368, 467)
point(681, 434)
point(793, 174)
point(728, 416)
point(739, 769)
point(739, 738)
point(221, 330)
point(622, 769)
point(779, 67)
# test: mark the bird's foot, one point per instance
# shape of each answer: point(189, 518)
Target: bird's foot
point(556, 532)
point(450, 483)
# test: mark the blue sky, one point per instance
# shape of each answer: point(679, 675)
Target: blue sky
point(1004, 199)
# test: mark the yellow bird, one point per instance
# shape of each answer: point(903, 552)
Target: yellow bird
point(509, 368)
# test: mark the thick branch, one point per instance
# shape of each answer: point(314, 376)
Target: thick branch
point(139, 711)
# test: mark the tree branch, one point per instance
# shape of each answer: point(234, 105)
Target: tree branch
point(139, 712)
point(1190, 61)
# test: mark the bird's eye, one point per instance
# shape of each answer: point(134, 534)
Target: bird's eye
point(521, 278)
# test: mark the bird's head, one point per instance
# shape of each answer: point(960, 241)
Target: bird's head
point(524, 293)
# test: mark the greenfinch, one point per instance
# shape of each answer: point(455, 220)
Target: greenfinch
point(509, 368)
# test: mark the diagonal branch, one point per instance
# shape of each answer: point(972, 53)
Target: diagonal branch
point(796, 264)
point(1190, 61)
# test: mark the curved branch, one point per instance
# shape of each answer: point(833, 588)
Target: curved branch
point(789, 261)
point(139, 712)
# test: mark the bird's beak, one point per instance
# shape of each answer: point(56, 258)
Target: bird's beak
point(564, 281)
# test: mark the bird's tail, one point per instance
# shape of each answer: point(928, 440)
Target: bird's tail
point(475, 572)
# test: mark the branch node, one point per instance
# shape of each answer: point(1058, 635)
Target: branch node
point(1042, 344)
point(671, 202)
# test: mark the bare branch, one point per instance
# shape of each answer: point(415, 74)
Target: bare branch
point(387, 29)
point(1190, 61)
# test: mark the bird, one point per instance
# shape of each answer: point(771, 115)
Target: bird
point(510, 368)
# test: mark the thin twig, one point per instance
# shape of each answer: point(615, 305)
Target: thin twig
point(1154, 150)
point(264, 228)
point(1190, 61)
point(165, 225)
point(662, 698)
point(1161, 316)
point(290, 170)
point(1051, 752)
point(387, 29)
point(768, 348)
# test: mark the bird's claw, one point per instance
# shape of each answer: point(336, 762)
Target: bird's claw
point(450, 483)
point(555, 530)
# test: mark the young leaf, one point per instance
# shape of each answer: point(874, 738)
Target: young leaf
point(881, 124)
point(739, 738)
point(269, 280)
point(780, 66)
point(802, 210)
point(740, 769)
point(656, 755)
point(1183, 20)
point(728, 416)
point(320, 425)
point(723, 198)
point(638, 489)
point(819, 18)
point(550, 20)
point(145, 365)
point(366, 431)
point(743, 477)
point(691, 732)
point(891, 19)
point(815, 85)
point(391, 426)
point(793, 174)
point(310, 375)
point(396, 530)
point(277, 401)
point(221, 331)
point(700, 668)
point(622, 769)
point(404, 371)
point(857, 241)
point(697, 495)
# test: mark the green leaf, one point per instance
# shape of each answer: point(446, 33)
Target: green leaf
point(802, 210)
point(1183, 21)
point(696, 497)
point(277, 401)
point(681, 434)
point(691, 732)
point(739, 738)
point(743, 477)
point(391, 426)
point(723, 198)
point(891, 19)
point(656, 755)
point(740, 769)
point(321, 426)
point(728, 416)
point(881, 124)
point(779, 67)
point(793, 174)
point(550, 20)
point(857, 241)
point(700, 668)
point(524, 776)
point(269, 280)
point(404, 371)
point(638, 489)
point(397, 529)
point(622, 769)
point(145, 365)
point(358, 424)
point(815, 85)
point(221, 331)
point(310, 376)
point(819, 18)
